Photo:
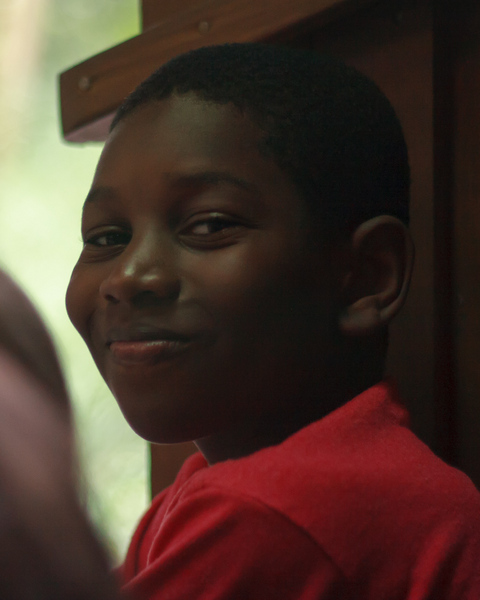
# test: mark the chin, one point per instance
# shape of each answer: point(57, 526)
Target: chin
point(168, 410)
point(159, 425)
point(158, 431)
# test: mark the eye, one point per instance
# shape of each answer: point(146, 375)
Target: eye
point(107, 239)
point(212, 230)
point(211, 225)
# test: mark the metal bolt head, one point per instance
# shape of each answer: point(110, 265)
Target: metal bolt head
point(204, 27)
point(84, 83)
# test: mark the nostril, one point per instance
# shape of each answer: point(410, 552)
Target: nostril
point(111, 298)
point(149, 298)
point(140, 279)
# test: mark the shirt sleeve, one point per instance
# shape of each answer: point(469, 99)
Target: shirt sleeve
point(216, 546)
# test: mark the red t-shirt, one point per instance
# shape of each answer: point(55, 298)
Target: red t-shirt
point(353, 506)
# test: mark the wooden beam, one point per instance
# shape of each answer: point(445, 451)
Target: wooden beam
point(462, 215)
point(156, 11)
point(91, 91)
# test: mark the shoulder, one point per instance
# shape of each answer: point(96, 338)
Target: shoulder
point(363, 454)
point(355, 498)
point(368, 492)
point(213, 543)
point(361, 451)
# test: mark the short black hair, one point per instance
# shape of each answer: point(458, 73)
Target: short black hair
point(326, 125)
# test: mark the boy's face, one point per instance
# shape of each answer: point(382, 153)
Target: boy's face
point(197, 291)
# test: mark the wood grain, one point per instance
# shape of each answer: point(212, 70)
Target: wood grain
point(166, 461)
point(463, 31)
point(156, 11)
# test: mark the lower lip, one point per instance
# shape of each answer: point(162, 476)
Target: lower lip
point(146, 352)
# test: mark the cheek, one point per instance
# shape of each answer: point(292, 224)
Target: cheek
point(230, 281)
point(252, 292)
point(78, 300)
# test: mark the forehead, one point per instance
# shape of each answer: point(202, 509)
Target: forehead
point(183, 132)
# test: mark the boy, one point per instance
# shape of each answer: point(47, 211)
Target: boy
point(245, 249)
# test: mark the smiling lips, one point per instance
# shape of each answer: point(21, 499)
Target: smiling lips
point(145, 347)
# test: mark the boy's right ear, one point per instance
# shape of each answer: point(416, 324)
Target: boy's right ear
point(376, 283)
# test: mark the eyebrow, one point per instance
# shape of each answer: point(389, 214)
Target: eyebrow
point(213, 178)
point(103, 192)
point(193, 179)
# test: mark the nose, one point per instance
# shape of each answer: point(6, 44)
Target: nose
point(144, 273)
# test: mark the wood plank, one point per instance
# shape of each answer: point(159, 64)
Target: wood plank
point(166, 462)
point(92, 90)
point(155, 11)
point(463, 22)
point(446, 389)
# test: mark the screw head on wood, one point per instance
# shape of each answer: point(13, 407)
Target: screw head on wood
point(84, 83)
point(204, 27)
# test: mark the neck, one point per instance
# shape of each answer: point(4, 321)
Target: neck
point(247, 437)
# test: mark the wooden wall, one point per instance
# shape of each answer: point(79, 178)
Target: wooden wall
point(459, 74)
